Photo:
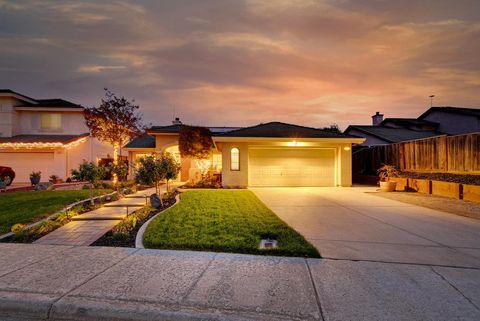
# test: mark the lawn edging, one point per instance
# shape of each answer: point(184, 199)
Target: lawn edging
point(54, 215)
point(143, 228)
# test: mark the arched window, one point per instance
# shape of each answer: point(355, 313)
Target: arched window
point(234, 159)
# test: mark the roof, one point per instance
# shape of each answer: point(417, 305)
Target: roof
point(393, 135)
point(32, 102)
point(28, 139)
point(454, 110)
point(144, 141)
point(408, 121)
point(175, 129)
point(283, 130)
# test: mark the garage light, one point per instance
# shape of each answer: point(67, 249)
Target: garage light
point(293, 143)
point(346, 148)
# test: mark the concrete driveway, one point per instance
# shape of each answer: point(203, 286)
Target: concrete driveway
point(354, 224)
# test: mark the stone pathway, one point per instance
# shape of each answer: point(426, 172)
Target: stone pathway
point(87, 228)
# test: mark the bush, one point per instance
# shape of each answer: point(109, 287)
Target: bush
point(17, 228)
point(44, 227)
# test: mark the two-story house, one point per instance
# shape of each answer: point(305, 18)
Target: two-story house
point(47, 135)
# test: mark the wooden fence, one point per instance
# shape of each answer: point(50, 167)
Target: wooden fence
point(452, 154)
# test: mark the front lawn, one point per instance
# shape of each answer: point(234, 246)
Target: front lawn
point(224, 221)
point(28, 207)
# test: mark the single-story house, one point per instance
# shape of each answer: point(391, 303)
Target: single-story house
point(46, 135)
point(270, 154)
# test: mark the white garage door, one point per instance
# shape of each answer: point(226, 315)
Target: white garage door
point(25, 163)
point(291, 167)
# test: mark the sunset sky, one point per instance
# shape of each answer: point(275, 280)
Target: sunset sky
point(244, 62)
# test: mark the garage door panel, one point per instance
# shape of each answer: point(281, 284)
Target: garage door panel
point(25, 163)
point(283, 167)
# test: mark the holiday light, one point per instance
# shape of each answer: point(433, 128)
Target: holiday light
point(35, 145)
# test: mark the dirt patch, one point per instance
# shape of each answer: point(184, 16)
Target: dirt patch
point(449, 205)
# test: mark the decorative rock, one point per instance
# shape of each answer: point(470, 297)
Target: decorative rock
point(155, 201)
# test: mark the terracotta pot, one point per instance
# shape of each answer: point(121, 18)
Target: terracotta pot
point(388, 186)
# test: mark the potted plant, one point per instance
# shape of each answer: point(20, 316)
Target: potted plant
point(35, 177)
point(54, 179)
point(385, 173)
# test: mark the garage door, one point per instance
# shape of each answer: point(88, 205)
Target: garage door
point(25, 163)
point(291, 167)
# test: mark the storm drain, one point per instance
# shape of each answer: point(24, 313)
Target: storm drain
point(268, 244)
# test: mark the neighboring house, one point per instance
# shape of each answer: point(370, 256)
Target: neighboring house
point(271, 154)
point(47, 135)
point(453, 120)
point(434, 122)
point(393, 130)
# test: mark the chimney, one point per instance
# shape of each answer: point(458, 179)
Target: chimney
point(377, 119)
point(176, 121)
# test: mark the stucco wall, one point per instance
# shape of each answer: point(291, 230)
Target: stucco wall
point(73, 123)
point(7, 116)
point(345, 165)
point(235, 178)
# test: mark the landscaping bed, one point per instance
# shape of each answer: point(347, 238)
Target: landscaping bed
point(124, 233)
point(445, 177)
point(224, 221)
point(30, 207)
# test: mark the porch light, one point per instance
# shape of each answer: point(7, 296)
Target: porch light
point(346, 148)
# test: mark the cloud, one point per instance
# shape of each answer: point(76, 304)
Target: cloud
point(232, 62)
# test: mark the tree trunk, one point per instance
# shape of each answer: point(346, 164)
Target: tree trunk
point(159, 193)
point(91, 194)
point(116, 148)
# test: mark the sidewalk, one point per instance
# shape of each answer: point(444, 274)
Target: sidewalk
point(87, 228)
point(42, 282)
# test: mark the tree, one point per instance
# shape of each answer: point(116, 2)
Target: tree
point(88, 172)
point(196, 142)
point(170, 167)
point(332, 128)
point(116, 121)
point(149, 172)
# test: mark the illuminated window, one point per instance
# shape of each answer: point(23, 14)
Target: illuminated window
point(234, 159)
point(51, 121)
point(217, 162)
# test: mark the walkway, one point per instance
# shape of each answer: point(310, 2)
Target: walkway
point(99, 283)
point(89, 227)
point(354, 224)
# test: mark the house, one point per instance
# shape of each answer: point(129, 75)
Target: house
point(270, 154)
point(453, 120)
point(47, 135)
point(434, 122)
point(393, 130)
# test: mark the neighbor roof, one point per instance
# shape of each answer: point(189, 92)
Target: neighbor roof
point(454, 110)
point(408, 121)
point(32, 102)
point(393, 135)
point(144, 141)
point(174, 129)
point(283, 130)
point(64, 139)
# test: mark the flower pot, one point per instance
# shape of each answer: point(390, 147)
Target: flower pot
point(388, 186)
point(34, 180)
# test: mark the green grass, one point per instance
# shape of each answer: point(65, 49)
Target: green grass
point(28, 207)
point(224, 221)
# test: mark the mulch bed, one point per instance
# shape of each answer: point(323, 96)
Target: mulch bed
point(109, 239)
point(446, 177)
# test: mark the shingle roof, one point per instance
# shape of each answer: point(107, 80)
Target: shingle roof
point(173, 129)
point(393, 135)
point(283, 130)
point(144, 141)
point(408, 121)
point(55, 103)
point(454, 110)
point(64, 139)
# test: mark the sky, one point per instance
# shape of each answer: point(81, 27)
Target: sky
point(244, 62)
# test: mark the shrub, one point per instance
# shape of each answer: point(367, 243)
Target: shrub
point(387, 171)
point(45, 227)
point(17, 228)
point(89, 172)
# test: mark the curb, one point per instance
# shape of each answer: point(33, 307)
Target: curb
point(143, 228)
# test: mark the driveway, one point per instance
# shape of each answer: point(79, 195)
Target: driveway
point(354, 224)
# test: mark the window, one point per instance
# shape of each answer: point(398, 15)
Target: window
point(234, 159)
point(217, 162)
point(50, 121)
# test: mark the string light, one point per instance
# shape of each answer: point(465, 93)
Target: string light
point(36, 145)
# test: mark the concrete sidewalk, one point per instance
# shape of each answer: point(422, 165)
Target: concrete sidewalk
point(42, 282)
